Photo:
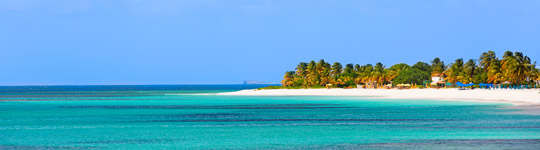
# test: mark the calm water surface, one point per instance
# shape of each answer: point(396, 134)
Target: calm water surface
point(191, 117)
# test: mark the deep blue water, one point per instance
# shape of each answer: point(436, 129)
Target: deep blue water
point(192, 117)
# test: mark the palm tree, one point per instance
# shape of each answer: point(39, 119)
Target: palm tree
point(323, 71)
point(537, 74)
point(534, 73)
point(470, 70)
point(336, 71)
point(455, 71)
point(320, 65)
point(348, 75)
point(349, 69)
point(312, 75)
point(437, 67)
point(393, 71)
point(302, 72)
point(357, 74)
point(288, 78)
point(378, 74)
point(357, 68)
point(485, 59)
point(516, 67)
point(365, 75)
point(325, 76)
point(301, 69)
point(508, 54)
point(494, 72)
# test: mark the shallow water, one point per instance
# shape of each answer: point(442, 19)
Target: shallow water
point(177, 117)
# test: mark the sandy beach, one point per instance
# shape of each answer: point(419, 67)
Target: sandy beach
point(517, 97)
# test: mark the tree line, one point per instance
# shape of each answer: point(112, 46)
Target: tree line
point(512, 67)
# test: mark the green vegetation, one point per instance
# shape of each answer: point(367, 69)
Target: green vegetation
point(413, 75)
point(513, 67)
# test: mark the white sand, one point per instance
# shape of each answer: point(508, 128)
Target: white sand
point(518, 97)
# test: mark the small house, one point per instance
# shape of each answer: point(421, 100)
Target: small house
point(437, 79)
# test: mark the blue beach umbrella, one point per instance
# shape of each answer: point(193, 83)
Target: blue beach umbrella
point(464, 85)
point(460, 84)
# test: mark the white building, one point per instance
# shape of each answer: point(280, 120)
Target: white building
point(437, 79)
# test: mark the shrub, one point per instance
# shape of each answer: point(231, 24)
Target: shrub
point(411, 76)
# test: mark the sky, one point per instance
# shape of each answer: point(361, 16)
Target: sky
point(87, 42)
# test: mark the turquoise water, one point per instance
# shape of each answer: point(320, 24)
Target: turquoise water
point(194, 118)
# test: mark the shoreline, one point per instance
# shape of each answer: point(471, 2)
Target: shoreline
point(515, 97)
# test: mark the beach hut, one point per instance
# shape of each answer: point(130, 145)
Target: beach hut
point(437, 77)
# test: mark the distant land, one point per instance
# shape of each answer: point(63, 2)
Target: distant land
point(257, 82)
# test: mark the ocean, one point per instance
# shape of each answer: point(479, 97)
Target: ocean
point(193, 117)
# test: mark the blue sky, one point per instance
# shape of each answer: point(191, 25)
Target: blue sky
point(227, 41)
